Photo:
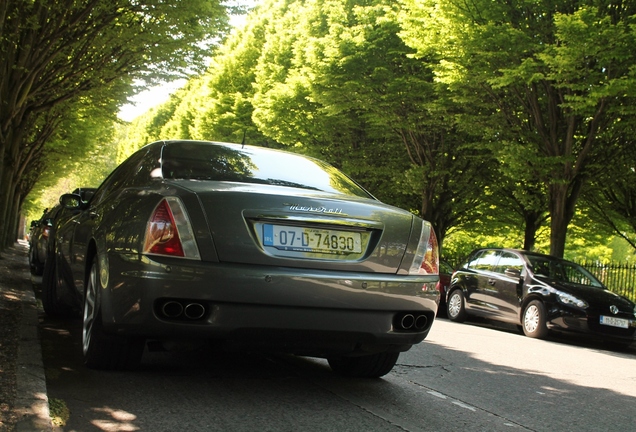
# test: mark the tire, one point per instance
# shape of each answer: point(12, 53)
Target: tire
point(455, 308)
point(51, 304)
point(35, 266)
point(368, 366)
point(102, 350)
point(533, 321)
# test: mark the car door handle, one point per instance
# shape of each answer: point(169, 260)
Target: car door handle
point(491, 282)
point(92, 215)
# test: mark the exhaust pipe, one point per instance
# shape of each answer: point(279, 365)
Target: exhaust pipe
point(420, 322)
point(194, 311)
point(407, 321)
point(172, 309)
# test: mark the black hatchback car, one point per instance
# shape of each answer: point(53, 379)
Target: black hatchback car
point(539, 293)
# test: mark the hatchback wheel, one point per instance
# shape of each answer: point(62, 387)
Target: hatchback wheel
point(455, 308)
point(534, 320)
point(368, 366)
point(102, 350)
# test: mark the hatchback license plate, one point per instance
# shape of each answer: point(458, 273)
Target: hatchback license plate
point(614, 322)
point(304, 239)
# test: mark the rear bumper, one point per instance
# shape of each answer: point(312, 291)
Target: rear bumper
point(301, 311)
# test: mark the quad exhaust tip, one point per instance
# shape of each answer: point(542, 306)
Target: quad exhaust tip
point(184, 310)
point(410, 322)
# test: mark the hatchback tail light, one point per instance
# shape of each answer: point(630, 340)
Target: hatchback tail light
point(169, 232)
point(426, 259)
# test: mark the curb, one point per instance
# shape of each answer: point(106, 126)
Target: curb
point(32, 403)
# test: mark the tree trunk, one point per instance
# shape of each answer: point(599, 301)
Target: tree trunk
point(559, 218)
point(6, 187)
point(14, 214)
point(530, 233)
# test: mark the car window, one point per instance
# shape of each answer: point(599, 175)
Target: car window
point(576, 274)
point(484, 261)
point(191, 160)
point(122, 174)
point(509, 261)
point(562, 271)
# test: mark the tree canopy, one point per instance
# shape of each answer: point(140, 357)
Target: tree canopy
point(58, 58)
point(553, 78)
point(498, 118)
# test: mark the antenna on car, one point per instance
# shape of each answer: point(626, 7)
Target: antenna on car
point(243, 141)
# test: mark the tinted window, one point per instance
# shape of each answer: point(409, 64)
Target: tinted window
point(126, 172)
point(484, 261)
point(247, 164)
point(508, 261)
point(562, 271)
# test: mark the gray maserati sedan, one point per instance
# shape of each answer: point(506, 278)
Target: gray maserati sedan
point(246, 248)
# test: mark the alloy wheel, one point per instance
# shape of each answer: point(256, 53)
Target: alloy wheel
point(531, 319)
point(90, 309)
point(454, 305)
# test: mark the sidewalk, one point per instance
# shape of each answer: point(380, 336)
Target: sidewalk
point(30, 406)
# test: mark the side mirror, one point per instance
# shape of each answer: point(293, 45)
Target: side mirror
point(512, 272)
point(71, 201)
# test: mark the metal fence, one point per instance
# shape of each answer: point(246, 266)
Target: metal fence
point(619, 278)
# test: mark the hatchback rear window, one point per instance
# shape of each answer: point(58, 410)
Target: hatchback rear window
point(248, 164)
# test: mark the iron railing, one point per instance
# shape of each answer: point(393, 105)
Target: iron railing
point(618, 277)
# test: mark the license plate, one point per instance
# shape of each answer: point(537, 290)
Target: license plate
point(303, 239)
point(614, 322)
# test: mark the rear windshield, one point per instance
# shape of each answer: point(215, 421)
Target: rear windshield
point(247, 164)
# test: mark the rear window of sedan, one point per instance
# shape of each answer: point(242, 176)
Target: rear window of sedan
point(248, 164)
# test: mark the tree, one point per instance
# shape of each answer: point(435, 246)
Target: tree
point(335, 75)
point(56, 56)
point(612, 197)
point(556, 75)
point(223, 108)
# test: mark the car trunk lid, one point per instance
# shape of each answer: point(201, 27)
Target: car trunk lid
point(284, 226)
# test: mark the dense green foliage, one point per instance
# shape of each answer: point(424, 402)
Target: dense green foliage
point(65, 68)
point(553, 82)
point(503, 123)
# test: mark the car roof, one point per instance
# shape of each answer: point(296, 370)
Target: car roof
point(521, 252)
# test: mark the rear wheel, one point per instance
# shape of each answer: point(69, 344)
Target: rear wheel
point(368, 366)
point(50, 286)
point(534, 321)
point(102, 350)
point(455, 307)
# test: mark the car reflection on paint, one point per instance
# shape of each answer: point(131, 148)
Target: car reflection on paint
point(248, 248)
point(539, 293)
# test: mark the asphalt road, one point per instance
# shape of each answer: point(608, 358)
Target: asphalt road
point(468, 377)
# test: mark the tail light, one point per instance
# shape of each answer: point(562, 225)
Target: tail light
point(426, 259)
point(169, 231)
point(46, 231)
